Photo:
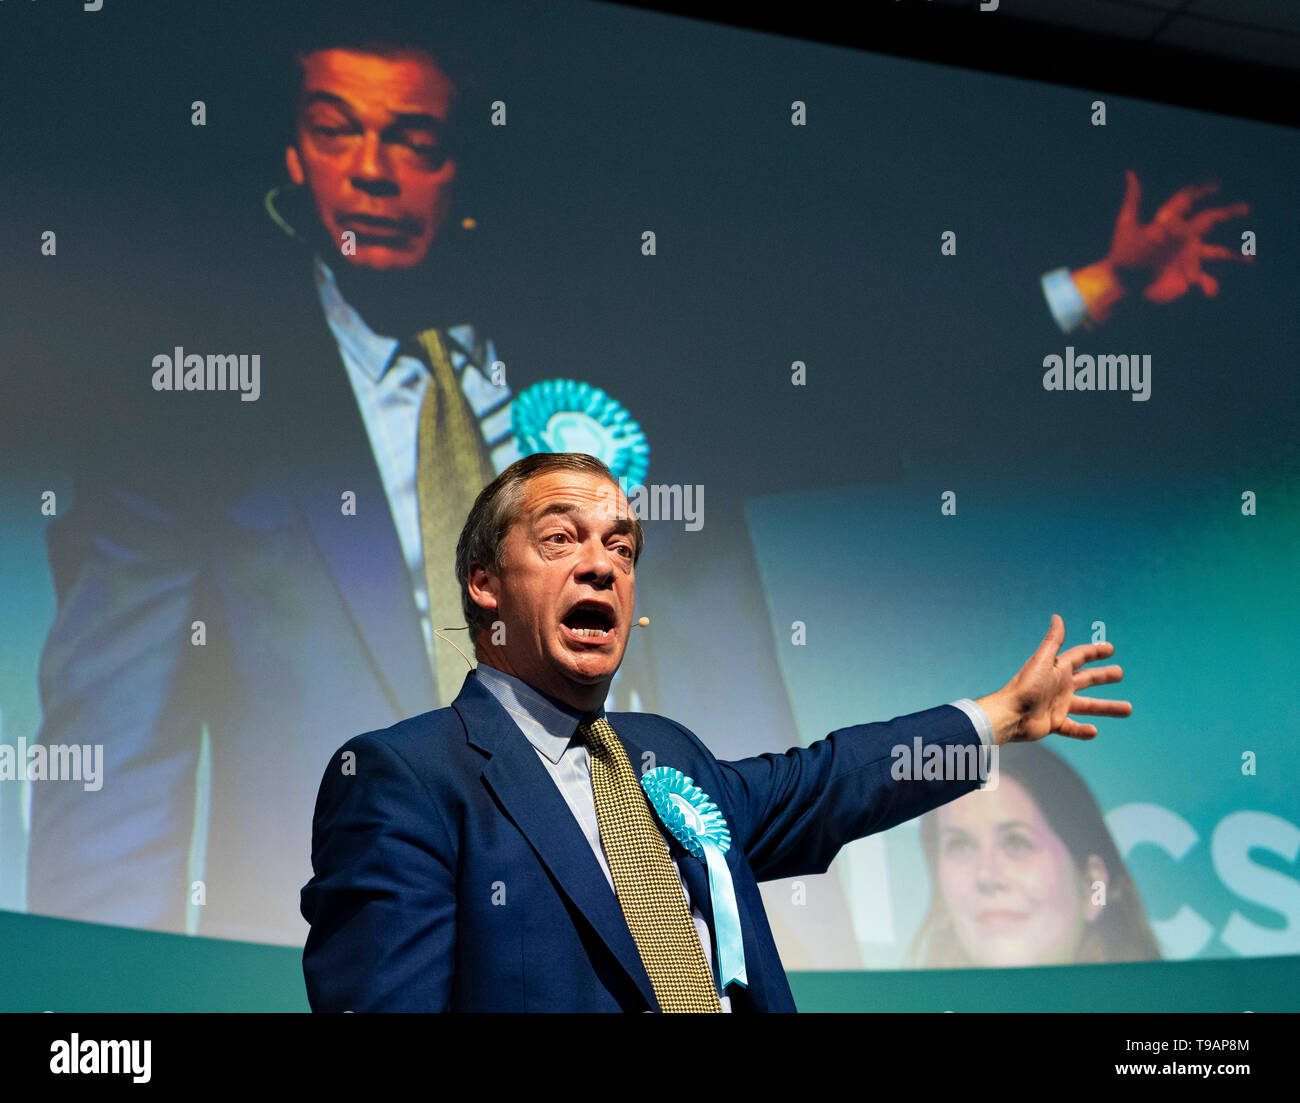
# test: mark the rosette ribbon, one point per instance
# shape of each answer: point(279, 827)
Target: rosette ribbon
point(566, 415)
point(695, 821)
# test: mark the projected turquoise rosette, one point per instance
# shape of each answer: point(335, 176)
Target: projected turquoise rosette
point(564, 415)
point(696, 823)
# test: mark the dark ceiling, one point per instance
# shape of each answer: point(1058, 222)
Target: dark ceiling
point(1237, 57)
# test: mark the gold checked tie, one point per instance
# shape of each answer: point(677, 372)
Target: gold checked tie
point(452, 467)
point(645, 879)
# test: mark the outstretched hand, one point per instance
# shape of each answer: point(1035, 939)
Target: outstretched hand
point(1041, 697)
point(1171, 246)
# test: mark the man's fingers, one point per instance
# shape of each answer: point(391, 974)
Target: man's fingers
point(1222, 252)
point(1077, 731)
point(1087, 653)
point(1128, 209)
point(1181, 201)
point(1098, 706)
point(1206, 219)
point(1052, 641)
point(1228, 254)
point(1098, 676)
point(1167, 287)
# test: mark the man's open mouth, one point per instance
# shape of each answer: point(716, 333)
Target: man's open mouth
point(377, 226)
point(591, 620)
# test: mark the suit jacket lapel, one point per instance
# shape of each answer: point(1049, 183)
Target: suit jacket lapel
point(694, 871)
point(365, 562)
point(328, 450)
point(533, 802)
point(696, 875)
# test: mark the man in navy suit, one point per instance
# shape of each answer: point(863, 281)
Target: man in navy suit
point(452, 873)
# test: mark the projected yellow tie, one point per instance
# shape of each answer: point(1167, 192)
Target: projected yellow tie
point(645, 879)
point(453, 466)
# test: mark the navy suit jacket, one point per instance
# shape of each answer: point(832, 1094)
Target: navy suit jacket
point(450, 874)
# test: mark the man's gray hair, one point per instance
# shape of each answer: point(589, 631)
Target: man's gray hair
point(497, 508)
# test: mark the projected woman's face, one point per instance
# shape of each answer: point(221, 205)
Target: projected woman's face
point(1009, 882)
point(371, 147)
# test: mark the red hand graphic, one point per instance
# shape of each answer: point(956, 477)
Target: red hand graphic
point(1172, 245)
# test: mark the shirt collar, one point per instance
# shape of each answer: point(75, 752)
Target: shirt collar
point(548, 724)
point(371, 352)
point(374, 353)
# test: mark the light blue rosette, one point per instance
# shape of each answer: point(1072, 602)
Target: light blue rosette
point(696, 823)
point(564, 415)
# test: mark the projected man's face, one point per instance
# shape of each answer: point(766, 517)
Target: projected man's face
point(1010, 882)
point(370, 146)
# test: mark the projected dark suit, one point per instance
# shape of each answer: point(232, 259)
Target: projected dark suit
point(207, 509)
